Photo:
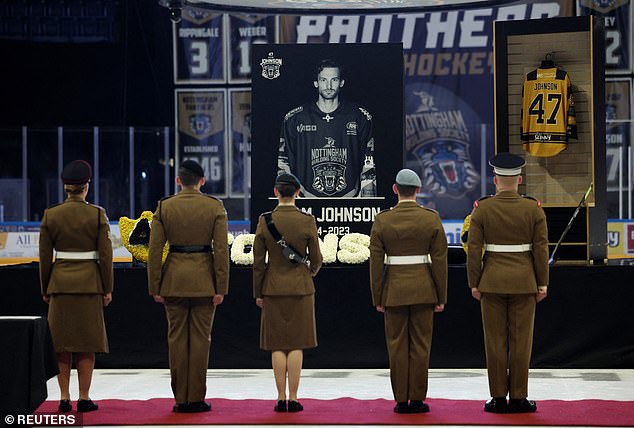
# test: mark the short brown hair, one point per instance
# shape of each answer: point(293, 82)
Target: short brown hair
point(74, 189)
point(407, 191)
point(188, 177)
point(286, 190)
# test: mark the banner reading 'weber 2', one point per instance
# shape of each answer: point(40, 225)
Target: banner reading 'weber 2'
point(448, 65)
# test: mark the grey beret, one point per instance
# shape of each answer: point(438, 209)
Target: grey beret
point(407, 177)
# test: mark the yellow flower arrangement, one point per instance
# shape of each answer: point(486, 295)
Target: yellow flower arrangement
point(139, 252)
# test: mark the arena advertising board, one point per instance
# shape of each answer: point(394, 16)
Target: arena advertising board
point(617, 19)
point(201, 123)
point(345, 157)
point(19, 241)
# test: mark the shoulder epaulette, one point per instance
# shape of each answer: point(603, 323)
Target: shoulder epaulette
point(476, 203)
point(384, 211)
point(212, 197)
point(539, 203)
point(165, 197)
point(293, 112)
point(429, 209)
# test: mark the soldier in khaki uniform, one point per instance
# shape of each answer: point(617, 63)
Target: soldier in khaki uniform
point(192, 282)
point(408, 278)
point(78, 283)
point(507, 266)
point(285, 290)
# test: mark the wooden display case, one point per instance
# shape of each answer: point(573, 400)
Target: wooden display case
point(575, 45)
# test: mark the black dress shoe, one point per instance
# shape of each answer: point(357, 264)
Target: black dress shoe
point(416, 406)
point(180, 408)
point(65, 406)
point(496, 405)
point(294, 406)
point(401, 407)
point(280, 406)
point(86, 406)
point(521, 405)
point(198, 407)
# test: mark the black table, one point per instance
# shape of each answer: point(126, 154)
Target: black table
point(27, 361)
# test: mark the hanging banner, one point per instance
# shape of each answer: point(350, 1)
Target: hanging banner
point(245, 30)
point(201, 136)
point(448, 68)
point(339, 129)
point(199, 47)
point(618, 128)
point(240, 140)
point(617, 18)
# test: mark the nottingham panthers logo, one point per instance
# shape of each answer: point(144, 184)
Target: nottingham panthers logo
point(447, 168)
point(271, 67)
point(200, 123)
point(329, 178)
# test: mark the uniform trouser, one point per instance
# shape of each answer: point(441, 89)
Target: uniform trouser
point(408, 332)
point(189, 322)
point(508, 338)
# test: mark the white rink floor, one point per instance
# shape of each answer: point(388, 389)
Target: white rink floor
point(469, 384)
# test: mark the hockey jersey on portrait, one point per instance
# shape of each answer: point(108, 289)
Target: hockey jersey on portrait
point(332, 154)
point(548, 112)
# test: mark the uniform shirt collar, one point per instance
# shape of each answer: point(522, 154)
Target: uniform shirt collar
point(507, 194)
point(189, 191)
point(407, 201)
point(74, 198)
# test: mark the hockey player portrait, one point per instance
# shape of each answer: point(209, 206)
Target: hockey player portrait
point(328, 142)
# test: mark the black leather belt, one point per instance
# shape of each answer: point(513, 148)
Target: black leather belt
point(190, 248)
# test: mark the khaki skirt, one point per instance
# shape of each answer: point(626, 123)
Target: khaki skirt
point(288, 323)
point(76, 323)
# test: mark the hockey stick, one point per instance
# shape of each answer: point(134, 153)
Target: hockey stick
point(572, 219)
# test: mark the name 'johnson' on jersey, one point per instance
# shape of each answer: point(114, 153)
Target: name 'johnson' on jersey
point(548, 112)
point(332, 154)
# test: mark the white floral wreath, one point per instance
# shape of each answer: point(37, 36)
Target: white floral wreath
point(329, 247)
point(238, 256)
point(354, 248)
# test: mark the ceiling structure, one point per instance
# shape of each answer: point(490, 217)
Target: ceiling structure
point(322, 6)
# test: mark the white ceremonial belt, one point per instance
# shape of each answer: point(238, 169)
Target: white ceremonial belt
point(501, 248)
point(407, 260)
point(77, 255)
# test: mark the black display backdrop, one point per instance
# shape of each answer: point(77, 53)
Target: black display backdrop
point(579, 325)
point(373, 80)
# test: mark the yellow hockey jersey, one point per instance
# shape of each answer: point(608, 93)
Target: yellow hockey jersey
point(548, 112)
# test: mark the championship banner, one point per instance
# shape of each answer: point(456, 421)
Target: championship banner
point(245, 30)
point(618, 128)
point(617, 18)
point(448, 68)
point(346, 152)
point(201, 135)
point(240, 140)
point(199, 47)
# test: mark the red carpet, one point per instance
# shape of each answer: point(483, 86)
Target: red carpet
point(349, 411)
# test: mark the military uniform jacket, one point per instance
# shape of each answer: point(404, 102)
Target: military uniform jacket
point(507, 219)
point(189, 218)
point(281, 277)
point(408, 229)
point(75, 226)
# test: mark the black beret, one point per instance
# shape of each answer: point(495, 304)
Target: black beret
point(507, 164)
point(193, 167)
point(76, 172)
point(288, 178)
